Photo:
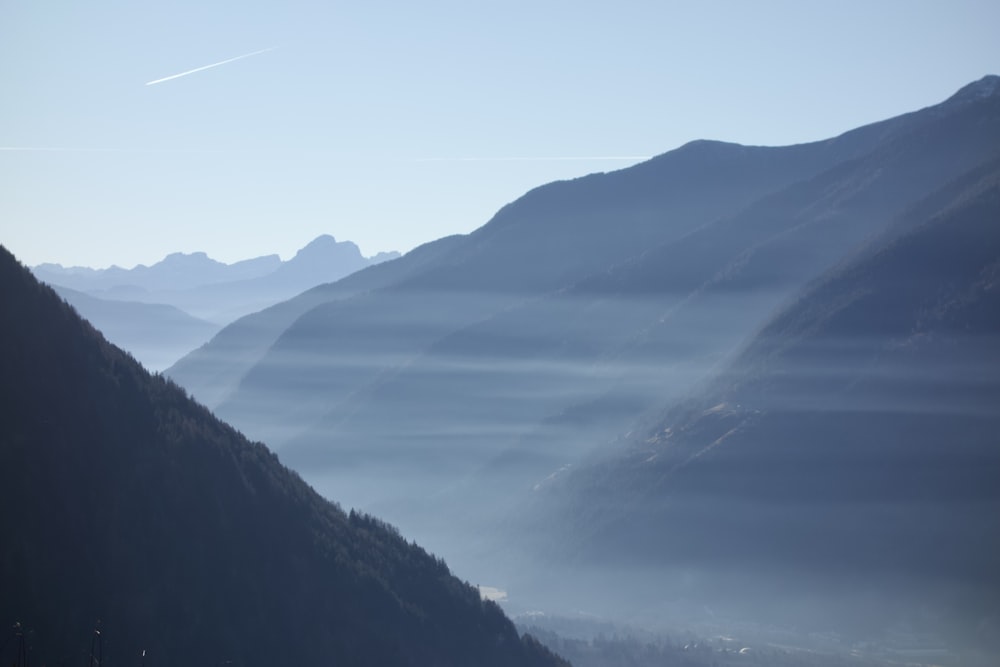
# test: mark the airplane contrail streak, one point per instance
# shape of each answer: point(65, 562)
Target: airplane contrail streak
point(205, 67)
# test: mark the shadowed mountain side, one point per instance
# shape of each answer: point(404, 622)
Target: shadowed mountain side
point(549, 239)
point(847, 462)
point(124, 503)
point(559, 233)
point(514, 397)
point(155, 334)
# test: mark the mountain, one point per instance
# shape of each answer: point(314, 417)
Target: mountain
point(514, 351)
point(551, 238)
point(323, 260)
point(128, 507)
point(176, 271)
point(842, 472)
point(492, 392)
point(155, 334)
point(213, 370)
point(215, 291)
point(162, 312)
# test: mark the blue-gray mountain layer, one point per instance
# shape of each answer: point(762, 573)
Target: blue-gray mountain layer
point(450, 388)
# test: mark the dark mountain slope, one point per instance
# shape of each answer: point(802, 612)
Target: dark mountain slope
point(850, 456)
point(124, 502)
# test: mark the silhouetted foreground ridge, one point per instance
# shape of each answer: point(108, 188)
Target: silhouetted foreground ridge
point(124, 502)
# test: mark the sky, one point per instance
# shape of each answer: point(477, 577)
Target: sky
point(391, 124)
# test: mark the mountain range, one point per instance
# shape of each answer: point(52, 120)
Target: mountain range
point(493, 393)
point(139, 528)
point(161, 312)
point(846, 460)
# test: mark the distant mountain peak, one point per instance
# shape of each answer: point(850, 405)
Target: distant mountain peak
point(321, 240)
point(323, 246)
point(188, 259)
point(181, 255)
point(710, 146)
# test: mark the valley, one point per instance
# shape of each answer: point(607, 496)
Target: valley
point(732, 405)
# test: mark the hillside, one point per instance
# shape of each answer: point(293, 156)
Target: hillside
point(501, 357)
point(125, 504)
point(842, 471)
point(212, 371)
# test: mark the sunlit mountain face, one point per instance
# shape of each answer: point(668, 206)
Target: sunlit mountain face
point(757, 381)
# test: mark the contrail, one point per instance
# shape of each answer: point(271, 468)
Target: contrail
point(204, 67)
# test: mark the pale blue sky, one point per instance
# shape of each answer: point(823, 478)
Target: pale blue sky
point(359, 121)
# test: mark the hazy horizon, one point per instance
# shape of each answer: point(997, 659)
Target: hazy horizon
point(269, 126)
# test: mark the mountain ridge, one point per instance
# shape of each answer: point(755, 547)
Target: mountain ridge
point(129, 505)
point(322, 386)
point(122, 303)
point(848, 446)
point(213, 290)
